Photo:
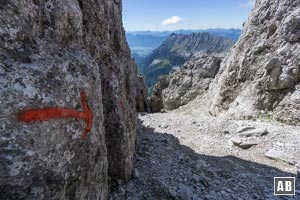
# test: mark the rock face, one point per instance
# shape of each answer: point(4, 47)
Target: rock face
point(51, 51)
point(177, 49)
point(183, 86)
point(262, 72)
point(141, 97)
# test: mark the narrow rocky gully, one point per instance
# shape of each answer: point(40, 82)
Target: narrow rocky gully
point(188, 154)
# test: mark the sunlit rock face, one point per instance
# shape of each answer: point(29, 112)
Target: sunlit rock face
point(185, 85)
point(262, 72)
point(51, 51)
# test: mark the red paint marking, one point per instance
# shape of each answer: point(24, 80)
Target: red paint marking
point(45, 114)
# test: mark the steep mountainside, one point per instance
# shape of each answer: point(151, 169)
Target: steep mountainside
point(137, 58)
point(177, 49)
point(50, 52)
point(227, 33)
point(262, 73)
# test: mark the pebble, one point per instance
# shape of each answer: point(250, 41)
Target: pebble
point(136, 173)
point(243, 143)
point(185, 192)
point(196, 178)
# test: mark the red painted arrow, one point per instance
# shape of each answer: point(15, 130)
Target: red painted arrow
point(45, 114)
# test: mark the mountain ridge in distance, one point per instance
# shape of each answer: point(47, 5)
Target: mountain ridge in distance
point(144, 42)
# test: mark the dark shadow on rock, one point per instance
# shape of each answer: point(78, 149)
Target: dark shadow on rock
point(165, 169)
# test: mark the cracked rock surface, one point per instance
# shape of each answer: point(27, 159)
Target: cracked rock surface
point(50, 51)
point(262, 71)
point(179, 88)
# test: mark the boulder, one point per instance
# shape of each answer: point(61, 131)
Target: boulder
point(248, 136)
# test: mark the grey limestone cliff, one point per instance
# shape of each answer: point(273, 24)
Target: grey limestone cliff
point(262, 73)
point(50, 51)
point(181, 87)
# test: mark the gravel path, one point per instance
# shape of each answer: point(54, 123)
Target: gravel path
point(185, 154)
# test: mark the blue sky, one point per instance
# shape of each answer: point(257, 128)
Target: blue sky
point(139, 15)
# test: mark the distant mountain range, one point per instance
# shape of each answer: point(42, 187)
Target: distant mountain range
point(144, 42)
point(176, 50)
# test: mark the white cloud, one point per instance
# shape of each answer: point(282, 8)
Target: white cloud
point(249, 3)
point(172, 20)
